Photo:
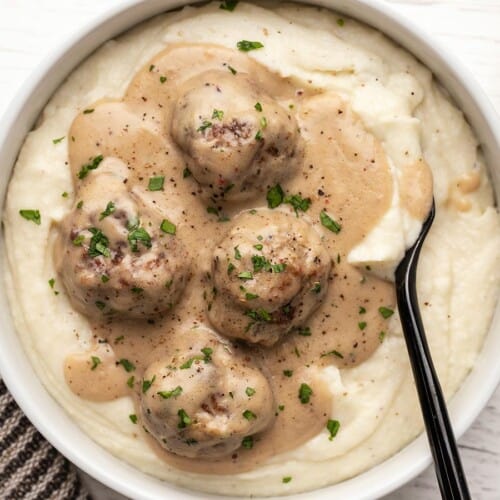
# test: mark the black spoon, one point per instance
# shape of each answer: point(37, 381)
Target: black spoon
point(449, 471)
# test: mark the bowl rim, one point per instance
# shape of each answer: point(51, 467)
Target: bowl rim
point(15, 368)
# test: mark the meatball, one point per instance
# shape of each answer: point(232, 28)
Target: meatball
point(112, 254)
point(270, 273)
point(205, 399)
point(237, 139)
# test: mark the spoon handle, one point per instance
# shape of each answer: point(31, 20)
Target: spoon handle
point(449, 471)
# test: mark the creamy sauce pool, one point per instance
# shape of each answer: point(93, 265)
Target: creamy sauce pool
point(339, 166)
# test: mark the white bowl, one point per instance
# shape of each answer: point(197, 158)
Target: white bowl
point(50, 418)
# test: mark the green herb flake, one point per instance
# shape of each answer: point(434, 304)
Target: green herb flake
point(52, 283)
point(127, 365)
point(188, 364)
point(333, 427)
point(207, 352)
point(263, 123)
point(138, 235)
point(259, 136)
point(65, 194)
point(104, 278)
point(249, 415)
point(137, 289)
point(100, 305)
point(206, 124)
point(151, 68)
point(130, 381)
point(251, 296)
point(385, 312)
point(233, 71)
point(98, 244)
point(163, 79)
point(79, 205)
point(88, 111)
point(340, 22)
point(217, 114)
point(168, 227)
point(333, 353)
point(95, 362)
point(174, 393)
point(156, 183)
point(247, 46)
point(247, 442)
point(275, 196)
point(184, 419)
point(78, 241)
point(250, 391)
point(146, 384)
point(259, 247)
point(362, 310)
point(316, 288)
point(329, 223)
point(228, 5)
point(110, 208)
point(287, 479)
point(91, 165)
point(258, 107)
point(58, 140)
point(186, 173)
point(245, 276)
point(362, 325)
point(32, 216)
point(133, 418)
point(287, 373)
point(237, 254)
point(304, 331)
point(259, 315)
point(381, 336)
point(305, 393)
point(230, 268)
point(298, 203)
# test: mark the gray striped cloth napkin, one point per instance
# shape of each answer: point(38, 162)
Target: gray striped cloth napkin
point(30, 468)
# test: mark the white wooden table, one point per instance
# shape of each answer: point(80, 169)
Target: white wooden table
point(29, 29)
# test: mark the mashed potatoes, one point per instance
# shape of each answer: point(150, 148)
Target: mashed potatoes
point(406, 111)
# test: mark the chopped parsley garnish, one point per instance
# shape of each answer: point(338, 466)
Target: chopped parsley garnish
point(133, 418)
point(186, 173)
point(79, 205)
point(340, 22)
point(258, 107)
point(333, 353)
point(100, 305)
point(247, 46)
point(333, 427)
point(230, 268)
point(78, 241)
point(362, 325)
point(207, 351)
point(381, 336)
point(130, 381)
point(218, 114)
point(98, 244)
point(52, 283)
point(95, 362)
point(170, 394)
point(245, 276)
point(146, 384)
point(110, 208)
point(275, 196)
point(151, 68)
point(249, 415)
point(137, 289)
point(138, 235)
point(316, 288)
point(287, 373)
point(362, 310)
point(206, 124)
point(119, 339)
point(233, 71)
point(31, 215)
point(259, 315)
point(88, 111)
point(168, 227)
point(156, 183)
point(91, 165)
point(237, 254)
point(207, 357)
point(261, 263)
point(184, 419)
point(247, 442)
point(329, 223)
point(259, 136)
point(305, 393)
point(105, 278)
point(251, 296)
point(65, 194)
point(129, 367)
point(228, 5)
point(298, 203)
point(163, 79)
point(58, 140)
point(287, 479)
point(250, 391)
point(258, 247)
point(189, 363)
point(304, 331)
point(263, 122)
point(385, 312)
